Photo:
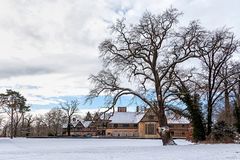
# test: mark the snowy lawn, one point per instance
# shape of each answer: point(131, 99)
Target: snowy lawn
point(112, 149)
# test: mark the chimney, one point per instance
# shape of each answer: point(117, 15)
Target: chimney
point(137, 109)
point(122, 109)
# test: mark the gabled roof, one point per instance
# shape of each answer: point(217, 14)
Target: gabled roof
point(127, 117)
point(75, 123)
point(86, 124)
point(64, 125)
point(136, 117)
point(177, 120)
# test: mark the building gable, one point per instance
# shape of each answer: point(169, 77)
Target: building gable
point(79, 125)
point(149, 116)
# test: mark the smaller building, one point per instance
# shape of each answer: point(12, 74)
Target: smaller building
point(124, 124)
point(81, 128)
point(180, 127)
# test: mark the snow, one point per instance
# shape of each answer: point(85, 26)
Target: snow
point(176, 120)
point(126, 117)
point(75, 123)
point(136, 117)
point(112, 149)
point(86, 123)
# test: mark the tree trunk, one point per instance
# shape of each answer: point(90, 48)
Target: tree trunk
point(227, 116)
point(69, 126)
point(238, 94)
point(209, 118)
point(237, 107)
point(15, 129)
point(11, 123)
point(164, 130)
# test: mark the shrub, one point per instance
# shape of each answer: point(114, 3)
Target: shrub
point(222, 133)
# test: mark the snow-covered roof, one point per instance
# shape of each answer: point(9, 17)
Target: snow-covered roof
point(135, 117)
point(75, 123)
point(64, 125)
point(126, 117)
point(177, 120)
point(129, 117)
point(86, 123)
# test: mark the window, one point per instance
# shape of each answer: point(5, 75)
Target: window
point(135, 125)
point(150, 129)
point(115, 126)
point(125, 125)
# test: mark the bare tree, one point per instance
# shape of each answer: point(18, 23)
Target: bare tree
point(144, 56)
point(55, 119)
point(230, 74)
point(237, 108)
point(217, 50)
point(27, 125)
point(88, 117)
point(236, 93)
point(69, 108)
point(40, 126)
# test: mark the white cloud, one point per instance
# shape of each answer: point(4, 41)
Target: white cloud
point(48, 48)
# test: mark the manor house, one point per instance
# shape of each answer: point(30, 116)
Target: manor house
point(139, 124)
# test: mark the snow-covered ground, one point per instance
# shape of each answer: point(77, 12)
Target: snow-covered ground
point(112, 149)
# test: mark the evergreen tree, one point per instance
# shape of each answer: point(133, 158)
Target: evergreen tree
point(222, 132)
point(88, 117)
point(15, 106)
point(196, 115)
point(237, 117)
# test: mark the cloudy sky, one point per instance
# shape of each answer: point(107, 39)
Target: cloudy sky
point(48, 48)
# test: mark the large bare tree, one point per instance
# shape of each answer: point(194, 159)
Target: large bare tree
point(216, 51)
point(69, 108)
point(139, 60)
point(236, 101)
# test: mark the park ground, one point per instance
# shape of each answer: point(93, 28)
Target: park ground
point(112, 149)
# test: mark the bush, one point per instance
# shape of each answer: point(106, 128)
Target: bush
point(50, 134)
point(222, 133)
point(237, 118)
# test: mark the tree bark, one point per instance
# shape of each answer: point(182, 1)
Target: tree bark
point(209, 118)
point(69, 126)
point(227, 104)
point(164, 130)
point(11, 123)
